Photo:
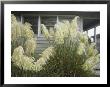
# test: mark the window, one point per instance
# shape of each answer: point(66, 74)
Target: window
point(48, 21)
point(68, 17)
point(33, 20)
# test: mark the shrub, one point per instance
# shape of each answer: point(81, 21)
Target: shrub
point(74, 55)
point(30, 47)
point(23, 47)
point(23, 65)
point(71, 54)
point(20, 33)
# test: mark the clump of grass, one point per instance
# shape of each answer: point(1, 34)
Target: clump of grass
point(21, 34)
point(71, 54)
point(74, 54)
point(30, 47)
point(23, 47)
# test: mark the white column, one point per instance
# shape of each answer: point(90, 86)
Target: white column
point(39, 23)
point(57, 19)
point(80, 24)
point(21, 19)
point(95, 34)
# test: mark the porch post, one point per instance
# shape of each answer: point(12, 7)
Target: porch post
point(21, 19)
point(57, 19)
point(80, 24)
point(95, 34)
point(39, 23)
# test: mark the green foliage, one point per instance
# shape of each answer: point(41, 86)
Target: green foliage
point(20, 33)
point(23, 49)
point(45, 31)
point(23, 46)
point(23, 65)
point(22, 61)
point(30, 47)
point(74, 55)
point(71, 54)
point(45, 56)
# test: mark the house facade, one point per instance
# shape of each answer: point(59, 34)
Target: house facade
point(50, 18)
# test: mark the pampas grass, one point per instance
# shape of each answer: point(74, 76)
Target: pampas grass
point(74, 55)
point(70, 55)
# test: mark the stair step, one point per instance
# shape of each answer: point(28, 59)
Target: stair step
point(42, 45)
point(44, 41)
point(42, 38)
